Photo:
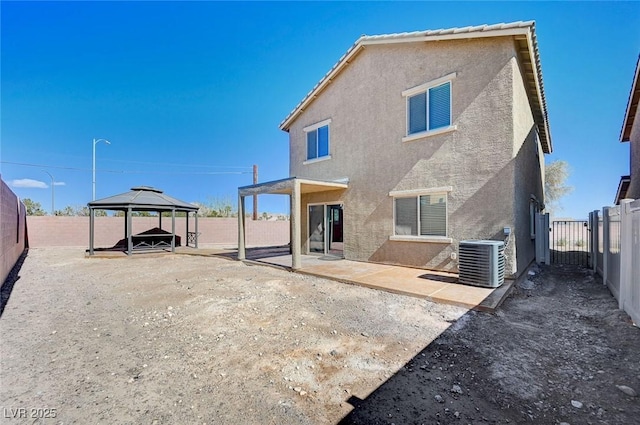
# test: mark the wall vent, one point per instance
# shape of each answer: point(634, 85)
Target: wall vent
point(481, 263)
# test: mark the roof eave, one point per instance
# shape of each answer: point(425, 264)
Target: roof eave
point(632, 106)
point(322, 84)
point(140, 207)
point(539, 97)
point(508, 32)
point(623, 187)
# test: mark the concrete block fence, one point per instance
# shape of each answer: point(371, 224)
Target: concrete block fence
point(221, 232)
point(12, 229)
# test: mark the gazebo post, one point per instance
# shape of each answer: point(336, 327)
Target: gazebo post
point(241, 240)
point(126, 225)
point(173, 230)
point(160, 220)
point(196, 213)
point(187, 231)
point(129, 238)
point(91, 229)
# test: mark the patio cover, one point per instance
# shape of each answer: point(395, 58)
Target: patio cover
point(294, 187)
point(142, 198)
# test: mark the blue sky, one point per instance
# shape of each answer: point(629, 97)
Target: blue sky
point(190, 95)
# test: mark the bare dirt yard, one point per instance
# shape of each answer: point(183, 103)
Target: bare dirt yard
point(180, 339)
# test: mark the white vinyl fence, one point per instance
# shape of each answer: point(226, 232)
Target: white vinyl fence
point(615, 253)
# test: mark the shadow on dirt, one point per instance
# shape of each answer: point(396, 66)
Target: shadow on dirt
point(578, 257)
point(257, 253)
point(554, 352)
point(10, 281)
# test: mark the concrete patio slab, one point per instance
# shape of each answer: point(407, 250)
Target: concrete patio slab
point(435, 286)
point(403, 281)
point(343, 269)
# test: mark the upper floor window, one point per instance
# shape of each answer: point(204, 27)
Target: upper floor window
point(318, 140)
point(429, 107)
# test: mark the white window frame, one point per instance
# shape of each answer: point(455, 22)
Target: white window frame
point(416, 193)
point(315, 127)
point(422, 89)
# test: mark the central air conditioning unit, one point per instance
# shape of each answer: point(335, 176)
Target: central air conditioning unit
point(481, 263)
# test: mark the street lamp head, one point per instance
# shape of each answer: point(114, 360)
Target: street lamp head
point(49, 174)
point(101, 140)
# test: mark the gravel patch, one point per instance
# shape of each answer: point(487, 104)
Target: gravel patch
point(185, 339)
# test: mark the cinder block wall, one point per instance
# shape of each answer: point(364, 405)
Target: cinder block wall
point(12, 230)
point(74, 231)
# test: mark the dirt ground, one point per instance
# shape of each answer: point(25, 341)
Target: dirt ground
point(197, 340)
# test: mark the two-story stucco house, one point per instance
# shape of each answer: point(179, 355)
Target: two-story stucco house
point(415, 141)
point(629, 186)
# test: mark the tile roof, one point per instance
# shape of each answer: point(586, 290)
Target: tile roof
point(527, 45)
point(451, 31)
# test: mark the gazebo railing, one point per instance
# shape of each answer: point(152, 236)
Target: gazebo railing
point(151, 241)
point(192, 239)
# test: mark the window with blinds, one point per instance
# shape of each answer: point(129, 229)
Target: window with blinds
point(440, 106)
point(430, 109)
point(424, 215)
point(406, 216)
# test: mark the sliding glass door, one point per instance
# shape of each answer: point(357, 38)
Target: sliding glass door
point(325, 229)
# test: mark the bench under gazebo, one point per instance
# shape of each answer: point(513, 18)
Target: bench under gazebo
point(146, 199)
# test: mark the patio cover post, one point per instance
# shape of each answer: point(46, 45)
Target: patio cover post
point(296, 239)
point(129, 238)
point(173, 230)
point(606, 244)
point(241, 241)
point(91, 228)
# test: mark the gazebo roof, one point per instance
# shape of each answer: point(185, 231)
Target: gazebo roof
point(142, 198)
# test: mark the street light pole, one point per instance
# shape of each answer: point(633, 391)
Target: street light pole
point(53, 183)
point(95, 142)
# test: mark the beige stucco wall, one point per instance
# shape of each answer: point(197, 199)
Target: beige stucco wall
point(478, 160)
point(634, 167)
point(528, 166)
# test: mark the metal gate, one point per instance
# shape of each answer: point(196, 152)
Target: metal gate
point(570, 242)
